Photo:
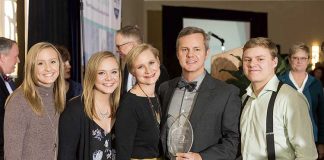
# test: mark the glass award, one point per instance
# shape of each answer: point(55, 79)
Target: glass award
point(180, 136)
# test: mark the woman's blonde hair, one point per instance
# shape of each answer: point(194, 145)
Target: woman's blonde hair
point(89, 85)
point(300, 46)
point(136, 51)
point(30, 80)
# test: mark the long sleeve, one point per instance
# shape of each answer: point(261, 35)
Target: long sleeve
point(299, 127)
point(70, 131)
point(125, 127)
point(15, 124)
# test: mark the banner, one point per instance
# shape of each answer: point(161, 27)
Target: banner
point(101, 20)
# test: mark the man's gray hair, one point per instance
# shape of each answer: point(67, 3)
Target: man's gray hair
point(5, 45)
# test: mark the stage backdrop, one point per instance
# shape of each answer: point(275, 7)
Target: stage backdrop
point(101, 19)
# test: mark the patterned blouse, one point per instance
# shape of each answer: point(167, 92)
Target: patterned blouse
point(100, 143)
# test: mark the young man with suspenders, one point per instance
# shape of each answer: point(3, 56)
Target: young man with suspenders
point(275, 123)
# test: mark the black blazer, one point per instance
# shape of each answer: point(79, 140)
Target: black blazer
point(164, 76)
point(4, 93)
point(74, 129)
point(214, 118)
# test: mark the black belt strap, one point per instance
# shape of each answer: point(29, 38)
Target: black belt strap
point(269, 123)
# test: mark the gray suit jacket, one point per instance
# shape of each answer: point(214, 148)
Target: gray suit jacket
point(214, 118)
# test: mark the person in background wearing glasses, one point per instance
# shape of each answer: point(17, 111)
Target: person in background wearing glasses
point(138, 117)
point(304, 83)
point(86, 125)
point(126, 39)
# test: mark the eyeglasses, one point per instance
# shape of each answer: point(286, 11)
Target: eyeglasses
point(120, 45)
point(302, 59)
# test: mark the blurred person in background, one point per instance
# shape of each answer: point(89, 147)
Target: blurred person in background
point(72, 88)
point(299, 79)
point(318, 72)
point(8, 59)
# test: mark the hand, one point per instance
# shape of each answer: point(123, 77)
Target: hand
point(320, 148)
point(188, 156)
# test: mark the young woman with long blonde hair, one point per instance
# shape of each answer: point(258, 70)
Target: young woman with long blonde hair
point(85, 130)
point(32, 111)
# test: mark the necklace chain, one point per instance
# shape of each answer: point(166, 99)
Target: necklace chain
point(104, 115)
point(53, 128)
point(156, 114)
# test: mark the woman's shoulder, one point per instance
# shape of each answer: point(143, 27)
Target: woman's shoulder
point(75, 85)
point(74, 105)
point(130, 97)
point(17, 103)
point(130, 100)
point(17, 98)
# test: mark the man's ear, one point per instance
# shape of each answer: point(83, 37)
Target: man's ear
point(275, 62)
point(2, 58)
point(207, 52)
point(177, 54)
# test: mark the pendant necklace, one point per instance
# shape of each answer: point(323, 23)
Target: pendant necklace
point(156, 114)
point(104, 115)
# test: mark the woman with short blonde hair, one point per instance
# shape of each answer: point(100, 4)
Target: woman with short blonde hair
point(139, 114)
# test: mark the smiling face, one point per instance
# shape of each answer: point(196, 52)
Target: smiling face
point(146, 68)
point(258, 65)
point(191, 53)
point(47, 67)
point(107, 77)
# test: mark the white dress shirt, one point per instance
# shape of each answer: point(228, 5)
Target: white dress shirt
point(293, 133)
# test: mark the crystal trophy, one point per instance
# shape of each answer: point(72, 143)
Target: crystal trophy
point(180, 136)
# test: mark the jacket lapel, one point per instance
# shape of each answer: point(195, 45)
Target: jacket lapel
point(3, 87)
point(166, 97)
point(203, 97)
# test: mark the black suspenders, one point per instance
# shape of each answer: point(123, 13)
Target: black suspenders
point(269, 123)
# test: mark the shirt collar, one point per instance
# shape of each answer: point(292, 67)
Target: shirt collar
point(299, 89)
point(272, 85)
point(199, 79)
